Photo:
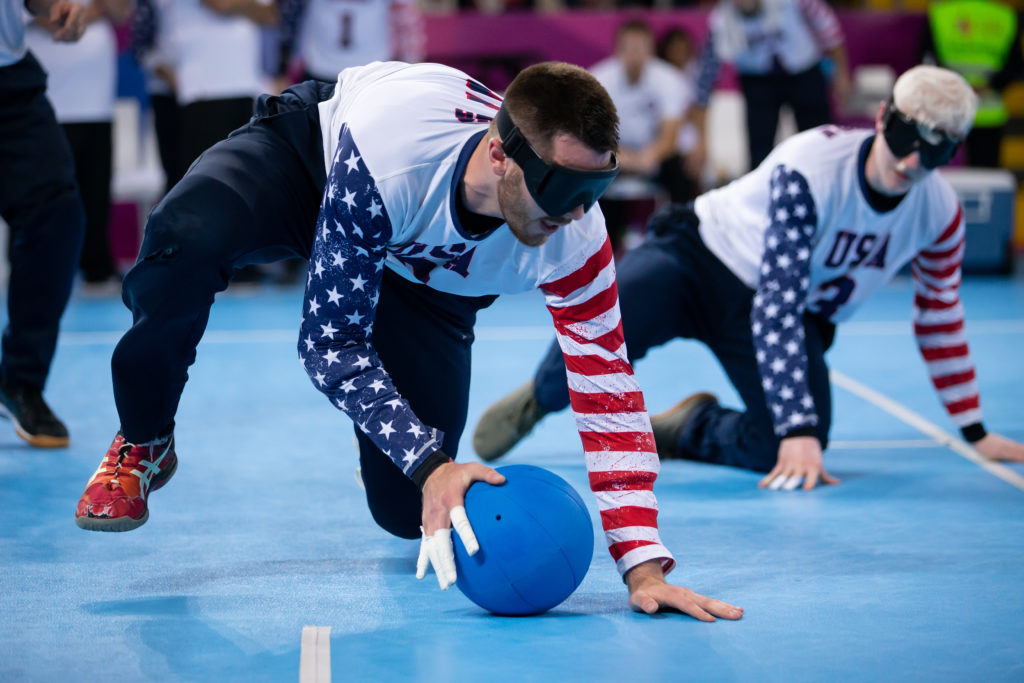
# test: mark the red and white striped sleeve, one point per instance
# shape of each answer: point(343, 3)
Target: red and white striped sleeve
point(823, 22)
point(939, 323)
point(610, 414)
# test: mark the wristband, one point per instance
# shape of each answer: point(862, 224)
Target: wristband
point(973, 433)
point(433, 461)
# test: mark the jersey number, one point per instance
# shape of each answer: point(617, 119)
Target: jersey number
point(346, 30)
point(843, 287)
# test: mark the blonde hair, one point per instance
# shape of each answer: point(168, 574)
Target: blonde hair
point(936, 97)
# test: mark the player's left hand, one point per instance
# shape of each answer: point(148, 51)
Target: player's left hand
point(69, 18)
point(996, 447)
point(648, 592)
point(444, 493)
point(800, 460)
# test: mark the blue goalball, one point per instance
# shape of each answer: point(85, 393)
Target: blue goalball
point(536, 542)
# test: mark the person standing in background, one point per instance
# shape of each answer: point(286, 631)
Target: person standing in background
point(82, 87)
point(215, 50)
point(328, 36)
point(651, 98)
point(40, 203)
point(777, 47)
point(678, 48)
point(980, 40)
point(150, 48)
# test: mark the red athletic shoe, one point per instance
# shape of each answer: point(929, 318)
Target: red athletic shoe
point(115, 497)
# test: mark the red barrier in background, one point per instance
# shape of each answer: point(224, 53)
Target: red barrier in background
point(494, 48)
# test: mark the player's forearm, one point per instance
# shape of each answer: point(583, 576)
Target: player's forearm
point(612, 420)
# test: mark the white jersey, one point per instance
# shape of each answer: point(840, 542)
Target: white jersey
point(214, 56)
point(790, 33)
point(81, 77)
point(801, 231)
point(851, 239)
point(397, 138)
point(661, 94)
point(338, 34)
point(12, 32)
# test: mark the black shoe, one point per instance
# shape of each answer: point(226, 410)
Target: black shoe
point(33, 420)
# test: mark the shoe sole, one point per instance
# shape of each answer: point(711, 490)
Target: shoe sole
point(34, 440)
point(485, 445)
point(90, 523)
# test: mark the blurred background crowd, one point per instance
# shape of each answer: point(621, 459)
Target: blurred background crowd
point(704, 89)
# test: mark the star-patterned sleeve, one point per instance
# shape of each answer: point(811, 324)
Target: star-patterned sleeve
point(621, 458)
point(776, 317)
point(345, 273)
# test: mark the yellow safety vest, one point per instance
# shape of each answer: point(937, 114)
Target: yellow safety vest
point(974, 38)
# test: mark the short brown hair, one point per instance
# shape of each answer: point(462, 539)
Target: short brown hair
point(554, 97)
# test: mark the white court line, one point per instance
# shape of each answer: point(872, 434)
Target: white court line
point(901, 412)
point(520, 333)
point(315, 655)
point(894, 443)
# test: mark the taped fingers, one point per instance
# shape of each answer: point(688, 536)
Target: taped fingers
point(442, 557)
point(792, 482)
point(463, 528)
point(437, 551)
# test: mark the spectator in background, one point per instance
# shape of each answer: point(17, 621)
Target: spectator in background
point(150, 47)
point(328, 36)
point(980, 40)
point(777, 48)
point(216, 65)
point(651, 98)
point(40, 203)
point(82, 87)
point(678, 48)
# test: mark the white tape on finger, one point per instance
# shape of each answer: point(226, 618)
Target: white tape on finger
point(424, 559)
point(777, 482)
point(792, 482)
point(464, 529)
point(442, 557)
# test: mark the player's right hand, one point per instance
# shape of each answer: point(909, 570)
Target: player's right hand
point(799, 461)
point(444, 493)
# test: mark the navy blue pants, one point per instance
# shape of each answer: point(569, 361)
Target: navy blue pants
point(671, 286)
point(39, 201)
point(254, 198)
point(423, 338)
point(806, 93)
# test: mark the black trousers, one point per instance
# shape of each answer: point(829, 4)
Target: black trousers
point(806, 93)
point(207, 122)
point(254, 198)
point(92, 148)
point(39, 201)
point(167, 121)
point(431, 370)
point(672, 287)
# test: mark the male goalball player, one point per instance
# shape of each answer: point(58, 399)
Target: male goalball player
point(763, 269)
point(418, 195)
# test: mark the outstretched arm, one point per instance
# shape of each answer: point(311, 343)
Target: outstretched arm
point(617, 441)
point(942, 340)
point(776, 320)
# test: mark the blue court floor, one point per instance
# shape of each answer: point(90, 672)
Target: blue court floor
point(911, 569)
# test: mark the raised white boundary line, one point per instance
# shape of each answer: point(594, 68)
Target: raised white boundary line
point(894, 443)
point(517, 333)
point(315, 655)
point(944, 438)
